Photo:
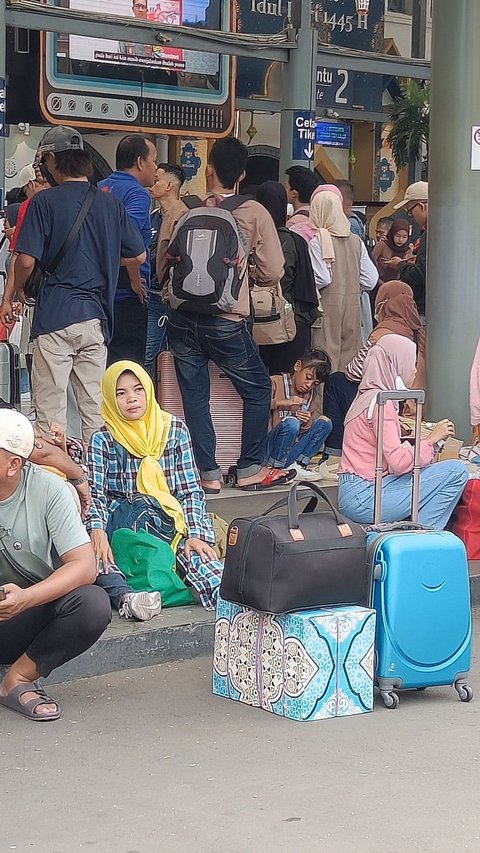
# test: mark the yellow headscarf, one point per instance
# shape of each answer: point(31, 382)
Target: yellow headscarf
point(145, 438)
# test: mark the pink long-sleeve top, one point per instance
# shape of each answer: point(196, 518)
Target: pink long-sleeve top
point(360, 443)
point(475, 389)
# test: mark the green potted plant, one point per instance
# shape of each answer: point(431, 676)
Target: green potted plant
point(410, 132)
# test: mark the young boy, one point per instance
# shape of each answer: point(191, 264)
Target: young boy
point(295, 436)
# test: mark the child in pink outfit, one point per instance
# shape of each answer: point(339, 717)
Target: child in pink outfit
point(390, 365)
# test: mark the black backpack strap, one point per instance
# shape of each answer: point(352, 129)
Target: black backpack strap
point(193, 201)
point(74, 231)
point(233, 202)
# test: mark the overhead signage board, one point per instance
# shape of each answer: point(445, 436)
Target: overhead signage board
point(334, 87)
point(113, 85)
point(333, 134)
point(304, 128)
point(339, 24)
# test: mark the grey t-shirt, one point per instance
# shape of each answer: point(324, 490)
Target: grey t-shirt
point(42, 513)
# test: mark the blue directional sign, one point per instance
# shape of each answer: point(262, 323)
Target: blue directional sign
point(304, 128)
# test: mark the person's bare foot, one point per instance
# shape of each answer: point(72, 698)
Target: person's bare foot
point(211, 486)
point(7, 685)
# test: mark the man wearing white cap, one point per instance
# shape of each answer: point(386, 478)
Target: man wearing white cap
point(414, 271)
point(28, 181)
point(52, 621)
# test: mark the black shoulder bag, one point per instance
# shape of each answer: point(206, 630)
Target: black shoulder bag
point(40, 275)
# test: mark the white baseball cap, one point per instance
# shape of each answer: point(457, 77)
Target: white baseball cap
point(16, 433)
point(415, 192)
point(26, 175)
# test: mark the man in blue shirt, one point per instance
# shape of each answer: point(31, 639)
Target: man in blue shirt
point(136, 163)
point(73, 320)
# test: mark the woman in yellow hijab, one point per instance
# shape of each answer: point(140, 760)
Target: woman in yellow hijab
point(143, 475)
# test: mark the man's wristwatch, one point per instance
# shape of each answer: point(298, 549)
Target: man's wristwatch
point(79, 481)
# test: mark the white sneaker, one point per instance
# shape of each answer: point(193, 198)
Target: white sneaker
point(141, 605)
point(327, 472)
point(302, 473)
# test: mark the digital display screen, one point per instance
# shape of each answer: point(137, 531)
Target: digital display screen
point(101, 83)
point(333, 134)
point(162, 65)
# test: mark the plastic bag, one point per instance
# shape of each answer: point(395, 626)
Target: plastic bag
point(148, 564)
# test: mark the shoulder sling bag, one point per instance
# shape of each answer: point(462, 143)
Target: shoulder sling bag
point(18, 565)
point(40, 274)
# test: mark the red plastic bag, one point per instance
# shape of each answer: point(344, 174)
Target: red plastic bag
point(466, 523)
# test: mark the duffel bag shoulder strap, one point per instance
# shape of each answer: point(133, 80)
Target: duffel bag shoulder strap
point(310, 507)
point(294, 496)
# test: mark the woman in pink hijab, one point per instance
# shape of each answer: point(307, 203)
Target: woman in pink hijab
point(390, 366)
point(342, 269)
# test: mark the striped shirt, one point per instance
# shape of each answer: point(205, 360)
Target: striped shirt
point(113, 478)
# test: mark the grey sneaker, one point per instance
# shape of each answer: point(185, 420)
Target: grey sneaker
point(141, 605)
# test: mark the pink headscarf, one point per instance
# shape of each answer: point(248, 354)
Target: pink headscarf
point(327, 188)
point(393, 358)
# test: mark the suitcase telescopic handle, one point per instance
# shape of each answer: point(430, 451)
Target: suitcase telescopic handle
point(398, 396)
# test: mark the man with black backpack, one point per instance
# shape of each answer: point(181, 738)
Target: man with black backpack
point(208, 306)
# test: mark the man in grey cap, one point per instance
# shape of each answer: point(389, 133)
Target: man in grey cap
point(413, 271)
point(73, 317)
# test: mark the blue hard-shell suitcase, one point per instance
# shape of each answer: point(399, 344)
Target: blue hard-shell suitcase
point(421, 594)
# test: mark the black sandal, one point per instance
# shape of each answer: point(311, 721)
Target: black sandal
point(13, 701)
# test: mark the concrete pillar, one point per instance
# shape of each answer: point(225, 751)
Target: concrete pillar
point(298, 87)
point(453, 283)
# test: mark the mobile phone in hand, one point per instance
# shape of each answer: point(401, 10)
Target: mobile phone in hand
point(3, 594)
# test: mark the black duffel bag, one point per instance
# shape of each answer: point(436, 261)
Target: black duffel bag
point(296, 562)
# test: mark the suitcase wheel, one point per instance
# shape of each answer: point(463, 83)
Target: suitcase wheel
point(464, 691)
point(390, 699)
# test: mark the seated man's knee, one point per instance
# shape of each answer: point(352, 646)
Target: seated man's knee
point(94, 609)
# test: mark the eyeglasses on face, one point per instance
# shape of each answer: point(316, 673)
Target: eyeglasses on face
point(409, 210)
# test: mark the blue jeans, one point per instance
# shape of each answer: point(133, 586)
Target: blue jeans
point(156, 330)
point(286, 444)
point(195, 339)
point(441, 486)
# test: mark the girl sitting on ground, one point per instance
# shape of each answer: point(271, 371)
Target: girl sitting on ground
point(143, 474)
point(390, 366)
point(295, 437)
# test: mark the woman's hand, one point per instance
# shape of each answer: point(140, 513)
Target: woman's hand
point(85, 497)
point(58, 436)
point(443, 430)
point(102, 550)
point(475, 435)
point(203, 549)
